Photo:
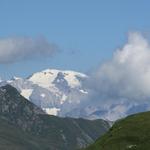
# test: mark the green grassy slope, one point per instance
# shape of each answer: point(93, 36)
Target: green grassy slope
point(131, 133)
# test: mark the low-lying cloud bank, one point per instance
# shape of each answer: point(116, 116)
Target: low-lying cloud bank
point(21, 48)
point(122, 85)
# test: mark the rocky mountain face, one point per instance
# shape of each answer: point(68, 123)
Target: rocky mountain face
point(16, 109)
point(25, 126)
point(56, 92)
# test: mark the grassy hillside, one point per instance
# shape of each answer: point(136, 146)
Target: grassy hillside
point(131, 133)
point(23, 126)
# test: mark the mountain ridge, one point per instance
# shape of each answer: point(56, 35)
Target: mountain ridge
point(52, 90)
point(44, 131)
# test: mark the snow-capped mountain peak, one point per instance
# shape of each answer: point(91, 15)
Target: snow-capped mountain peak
point(45, 78)
point(63, 93)
point(55, 91)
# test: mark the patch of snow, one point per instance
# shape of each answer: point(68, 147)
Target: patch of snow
point(43, 95)
point(52, 111)
point(64, 97)
point(84, 92)
point(26, 93)
point(9, 81)
point(16, 78)
point(73, 81)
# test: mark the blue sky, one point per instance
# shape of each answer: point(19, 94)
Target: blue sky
point(86, 31)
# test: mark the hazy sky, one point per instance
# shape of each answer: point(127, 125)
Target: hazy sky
point(85, 32)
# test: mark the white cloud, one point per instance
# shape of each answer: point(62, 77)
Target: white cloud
point(21, 48)
point(127, 75)
point(124, 81)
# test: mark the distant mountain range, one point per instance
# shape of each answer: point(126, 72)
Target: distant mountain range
point(56, 92)
point(24, 126)
point(65, 93)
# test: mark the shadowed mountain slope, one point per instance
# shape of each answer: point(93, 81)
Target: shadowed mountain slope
point(24, 126)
